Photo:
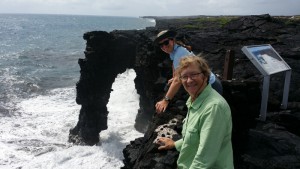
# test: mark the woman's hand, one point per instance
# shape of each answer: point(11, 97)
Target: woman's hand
point(170, 81)
point(161, 106)
point(165, 143)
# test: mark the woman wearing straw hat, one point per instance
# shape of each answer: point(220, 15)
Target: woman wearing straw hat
point(167, 43)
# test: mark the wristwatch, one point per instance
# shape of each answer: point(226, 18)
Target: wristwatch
point(166, 98)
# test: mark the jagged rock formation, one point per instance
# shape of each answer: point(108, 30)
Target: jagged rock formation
point(105, 58)
point(263, 145)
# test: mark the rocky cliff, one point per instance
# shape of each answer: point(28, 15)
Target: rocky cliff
point(274, 143)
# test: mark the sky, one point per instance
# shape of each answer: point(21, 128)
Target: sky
point(152, 7)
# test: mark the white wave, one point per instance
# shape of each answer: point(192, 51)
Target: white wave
point(41, 126)
point(37, 136)
point(151, 20)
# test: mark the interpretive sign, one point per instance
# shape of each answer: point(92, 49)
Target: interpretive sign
point(266, 59)
point(268, 62)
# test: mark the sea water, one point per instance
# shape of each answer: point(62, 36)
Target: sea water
point(38, 74)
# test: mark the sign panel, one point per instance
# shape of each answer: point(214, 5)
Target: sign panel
point(268, 62)
point(265, 59)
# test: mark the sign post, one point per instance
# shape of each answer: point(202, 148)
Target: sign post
point(268, 62)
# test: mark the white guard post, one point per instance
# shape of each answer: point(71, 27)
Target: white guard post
point(269, 62)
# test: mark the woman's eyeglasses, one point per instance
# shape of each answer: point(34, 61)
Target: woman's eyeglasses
point(164, 43)
point(192, 76)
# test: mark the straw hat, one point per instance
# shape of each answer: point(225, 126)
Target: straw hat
point(164, 34)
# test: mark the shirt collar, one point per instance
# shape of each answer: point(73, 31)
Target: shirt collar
point(200, 99)
point(175, 48)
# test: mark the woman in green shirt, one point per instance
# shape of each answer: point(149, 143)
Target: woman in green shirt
point(206, 133)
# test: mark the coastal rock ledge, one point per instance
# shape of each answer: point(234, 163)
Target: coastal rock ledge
point(272, 144)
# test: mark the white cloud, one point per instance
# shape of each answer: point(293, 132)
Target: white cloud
point(152, 7)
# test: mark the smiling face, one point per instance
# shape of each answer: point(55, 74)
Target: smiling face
point(193, 80)
point(167, 45)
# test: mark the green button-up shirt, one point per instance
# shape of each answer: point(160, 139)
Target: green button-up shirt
point(206, 133)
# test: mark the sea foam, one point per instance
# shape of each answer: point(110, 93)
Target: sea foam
point(37, 137)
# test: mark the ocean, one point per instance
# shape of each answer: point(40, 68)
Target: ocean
point(38, 75)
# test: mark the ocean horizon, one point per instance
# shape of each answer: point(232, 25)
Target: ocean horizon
point(38, 74)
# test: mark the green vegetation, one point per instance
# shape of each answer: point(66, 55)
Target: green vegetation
point(206, 22)
point(221, 20)
point(292, 20)
point(191, 26)
point(289, 20)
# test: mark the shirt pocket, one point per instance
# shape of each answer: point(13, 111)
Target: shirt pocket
point(192, 136)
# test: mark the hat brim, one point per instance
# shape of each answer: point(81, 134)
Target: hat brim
point(167, 34)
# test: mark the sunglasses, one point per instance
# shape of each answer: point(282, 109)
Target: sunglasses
point(164, 43)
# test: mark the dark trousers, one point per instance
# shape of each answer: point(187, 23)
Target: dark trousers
point(217, 85)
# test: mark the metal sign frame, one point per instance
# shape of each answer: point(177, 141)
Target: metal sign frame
point(268, 62)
